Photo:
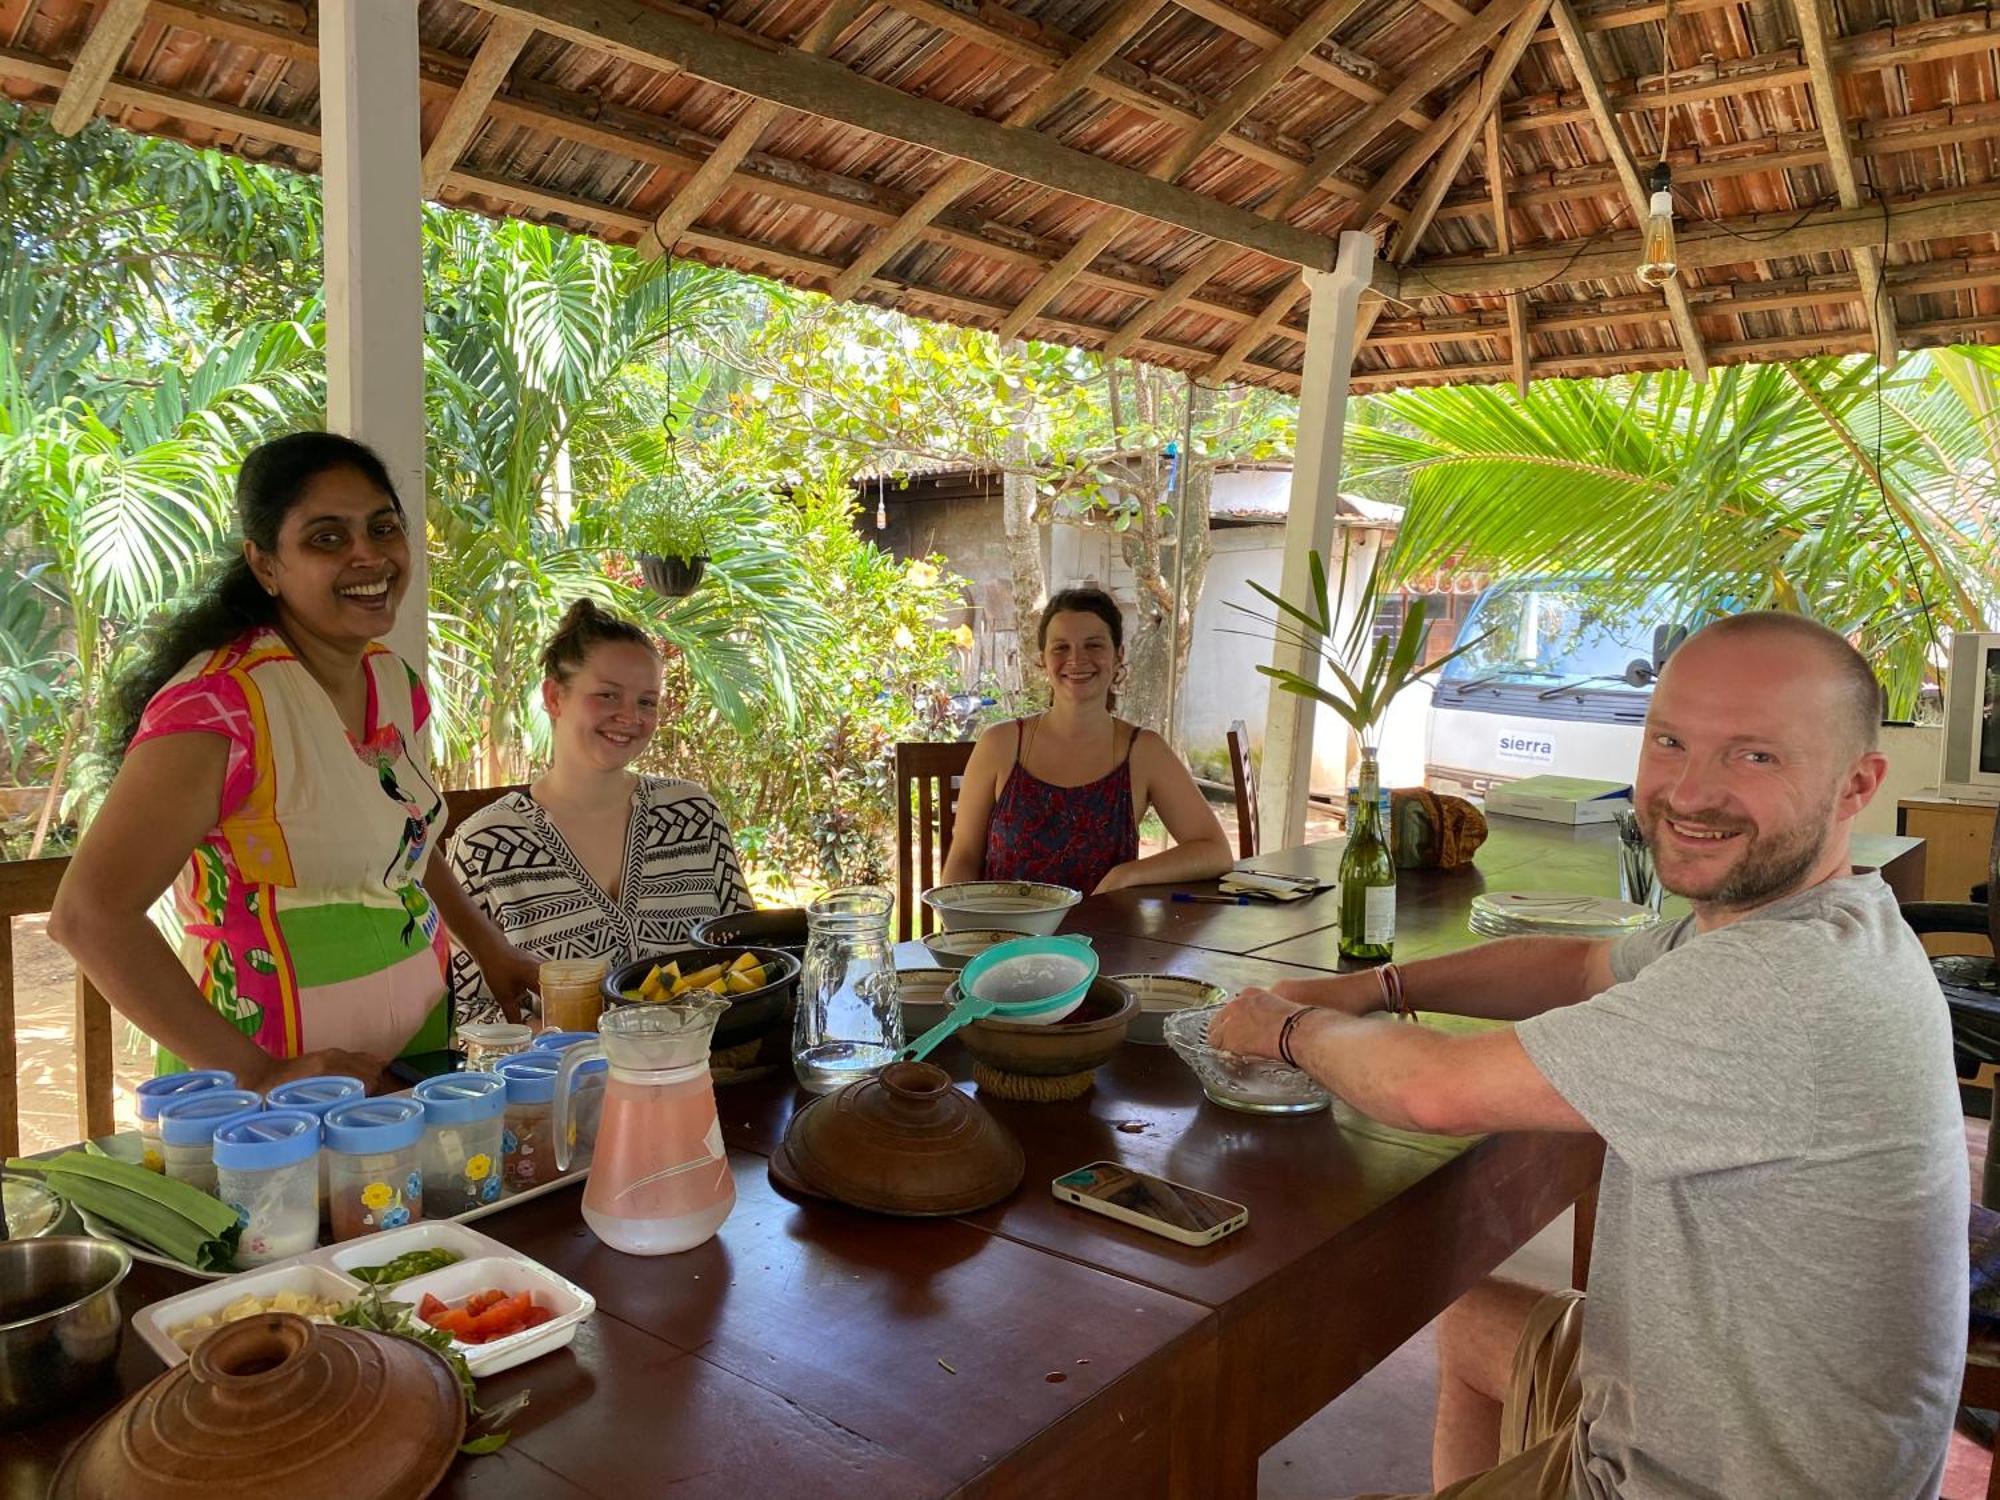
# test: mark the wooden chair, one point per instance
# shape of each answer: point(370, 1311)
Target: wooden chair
point(928, 774)
point(462, 804)
point(1244, 775)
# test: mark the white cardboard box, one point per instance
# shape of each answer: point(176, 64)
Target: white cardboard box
point(1559, 799)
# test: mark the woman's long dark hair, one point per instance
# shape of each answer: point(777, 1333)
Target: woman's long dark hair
point(272, 480)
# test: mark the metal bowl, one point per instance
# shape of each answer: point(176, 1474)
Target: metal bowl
point(59, 1321)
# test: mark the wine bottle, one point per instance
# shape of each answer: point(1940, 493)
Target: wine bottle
point(1367, 871)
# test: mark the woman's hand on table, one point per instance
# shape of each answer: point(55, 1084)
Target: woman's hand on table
point(336, 1060)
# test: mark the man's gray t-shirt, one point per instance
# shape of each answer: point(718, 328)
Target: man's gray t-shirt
point(1778, 1291)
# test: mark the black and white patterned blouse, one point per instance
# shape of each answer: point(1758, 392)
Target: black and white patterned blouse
point(680, 867)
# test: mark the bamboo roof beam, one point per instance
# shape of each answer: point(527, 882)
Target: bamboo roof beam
point(634, 32)
point(1520, 345)
point(1242, 97)
point(960, 176)
point(1779, 236)
point(490, 66)
point(1432, 69)
point(1678, 311)
point(96, 60)
point(1816, 26)
point(1362, 78)
point(711, 179)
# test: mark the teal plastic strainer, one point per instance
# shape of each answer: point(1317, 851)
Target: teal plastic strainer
point(1036, 979)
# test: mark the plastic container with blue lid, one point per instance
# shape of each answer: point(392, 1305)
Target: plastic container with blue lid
point(155, 1093)
point(529, 1143)
point(187, 1131)
point(374, 1172)
point(555, 1041)
point(316, 1096)
point(267, 1169)
point(464, 1125)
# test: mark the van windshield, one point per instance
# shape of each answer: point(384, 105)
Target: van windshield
point(1544, 633)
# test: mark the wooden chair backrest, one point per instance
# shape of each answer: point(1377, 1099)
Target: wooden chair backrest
point(928, 774)
point(1244, 775)
point(28, 889)
point(1993, 900)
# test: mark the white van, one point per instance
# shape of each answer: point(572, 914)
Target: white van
point(1559, 686)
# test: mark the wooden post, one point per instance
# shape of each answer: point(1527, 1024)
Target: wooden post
point(10, 1076)
point(93, 1060)
point(370, 132)
point(1288, 732)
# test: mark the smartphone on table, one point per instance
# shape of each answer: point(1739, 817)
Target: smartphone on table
point(421, 1065)
point(1172, 1209)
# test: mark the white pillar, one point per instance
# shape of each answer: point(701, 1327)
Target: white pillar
point(371, 134)
point(1286, 775)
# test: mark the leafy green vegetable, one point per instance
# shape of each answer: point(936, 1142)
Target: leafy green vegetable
point(376, 1313)
point(403, 1267)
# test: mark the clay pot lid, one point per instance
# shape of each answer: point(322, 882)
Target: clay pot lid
point(275, 1405)
point(902, 1142)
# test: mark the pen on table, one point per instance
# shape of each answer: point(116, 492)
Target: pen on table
point(1212, 900)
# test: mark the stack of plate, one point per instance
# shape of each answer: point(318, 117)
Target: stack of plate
point(1564, 913)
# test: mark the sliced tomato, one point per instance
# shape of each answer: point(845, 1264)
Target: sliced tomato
point(429, 1307)
point(538, 1316)
point(504, 1317)
point(457, 1322)
point(478, 1302)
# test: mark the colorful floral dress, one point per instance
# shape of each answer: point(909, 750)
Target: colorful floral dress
point(302, 912)
point(1064, 835)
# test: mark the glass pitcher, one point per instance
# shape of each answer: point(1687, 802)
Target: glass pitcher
point(850, 1016)
point(659, 1180)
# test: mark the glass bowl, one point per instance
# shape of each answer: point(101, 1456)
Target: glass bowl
point(1255, 1085)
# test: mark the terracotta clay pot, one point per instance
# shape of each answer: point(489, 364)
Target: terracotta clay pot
point(274, 1405)
point(1088, 1039)
point(902, 1142)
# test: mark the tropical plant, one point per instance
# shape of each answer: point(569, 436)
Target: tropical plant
point(1380, 670)
point(1864, 499)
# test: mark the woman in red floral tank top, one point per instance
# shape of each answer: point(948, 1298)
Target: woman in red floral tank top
point(1059, 797)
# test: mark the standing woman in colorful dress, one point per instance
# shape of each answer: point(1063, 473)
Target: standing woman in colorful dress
point(1059, 797)
point(275, 775)
point(593, 860)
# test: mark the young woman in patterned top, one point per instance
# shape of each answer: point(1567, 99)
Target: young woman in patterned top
point(1059, 797)
point(593, 861)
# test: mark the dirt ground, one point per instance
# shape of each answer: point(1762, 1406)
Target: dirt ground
point(45, 1032)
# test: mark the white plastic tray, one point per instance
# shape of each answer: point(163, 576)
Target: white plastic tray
point(125, 1146)
point(324, 1273)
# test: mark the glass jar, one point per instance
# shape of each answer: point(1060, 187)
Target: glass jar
point(572, 991)
point(850, 1017)
point(463, 1120)
point(267, 1169)
point(187, 1132)
point(374, 1172)
point(528, 1143)
point(485, 1042)
point(316, 1096)
point(155, 1093)
point(586, 1099)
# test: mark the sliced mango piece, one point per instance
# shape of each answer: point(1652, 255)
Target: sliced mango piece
point(744, 961)
point(701, 979)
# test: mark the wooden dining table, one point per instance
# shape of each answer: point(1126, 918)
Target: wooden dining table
point(1031, 1349)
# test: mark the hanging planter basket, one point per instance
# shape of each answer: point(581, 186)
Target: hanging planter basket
point(672, 577)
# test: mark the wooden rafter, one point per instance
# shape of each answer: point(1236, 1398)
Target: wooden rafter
point(1362, 78)
point(636, 33)
point(1442, 172)
point(1118, 28)
point(1678, 311)
point(96, 60)
point(1242, 97)
point(490, 66)
point(1815, 32)
point(1519, 344)
point(1778, 236)
point(713, 176)
point(1432, 69)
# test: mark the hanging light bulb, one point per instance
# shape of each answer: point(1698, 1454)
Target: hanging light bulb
point(1656, 258)
point(881, 505)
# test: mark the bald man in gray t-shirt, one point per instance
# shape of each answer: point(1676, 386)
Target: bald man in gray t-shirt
point(1779, 1285)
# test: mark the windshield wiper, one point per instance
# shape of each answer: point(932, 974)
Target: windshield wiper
point(1572, 687)
point(1501, 676)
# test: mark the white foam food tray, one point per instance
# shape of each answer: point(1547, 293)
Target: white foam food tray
point(326, 1273)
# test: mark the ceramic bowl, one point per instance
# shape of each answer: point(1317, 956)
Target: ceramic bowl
point(1255, 1085)
point(782, 927)
point(1090, 1038)
point(1159, 996)
point(1028, 906)
point(749, 1015)
point(901, 1142)
point(923, 992)
point(954, 950)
